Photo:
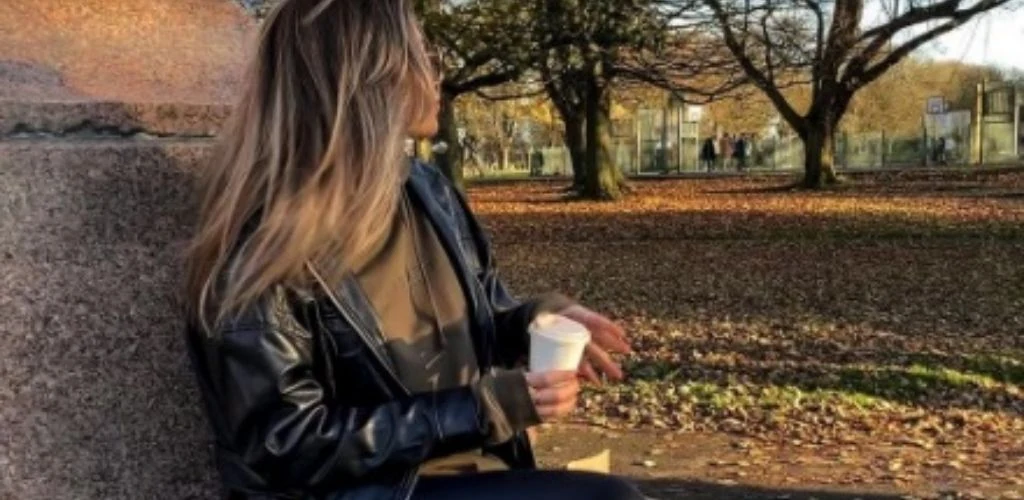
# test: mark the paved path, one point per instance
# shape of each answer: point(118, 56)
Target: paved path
point(707, 466)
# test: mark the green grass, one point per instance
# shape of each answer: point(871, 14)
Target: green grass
point(999, 368)
point(980, 381)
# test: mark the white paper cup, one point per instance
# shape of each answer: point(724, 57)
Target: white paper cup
point(556, 343)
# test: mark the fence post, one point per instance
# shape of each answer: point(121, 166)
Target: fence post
point(885, 149)
point(924, 132)
point(679, 139)
point(639, 145)
point(1016, 122)
point(775, 152)
point(844, 158)
point(979, 127)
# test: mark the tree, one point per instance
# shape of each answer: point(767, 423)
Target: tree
point(587, 48)
point(563, 85)
point(584, 49)
point(580, 39)
point(831, 47)
point(483, 44)
point(499, 125)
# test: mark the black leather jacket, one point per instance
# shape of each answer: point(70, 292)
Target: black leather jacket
point(305, 403)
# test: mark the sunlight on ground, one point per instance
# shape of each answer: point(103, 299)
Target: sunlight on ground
point(744, 201)
point(879, 309)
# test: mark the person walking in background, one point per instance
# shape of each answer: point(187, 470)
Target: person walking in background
point(346, 323)
point(740, 152)
point(940, 151)
point(725, 150)
point(707, 154)
point(536, 163)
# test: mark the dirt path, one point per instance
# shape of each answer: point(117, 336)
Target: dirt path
point(690, 465)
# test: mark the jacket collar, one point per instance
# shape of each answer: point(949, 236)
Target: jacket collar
point(425, 190)
point(429, 190)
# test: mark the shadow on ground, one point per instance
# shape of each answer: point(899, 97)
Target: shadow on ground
point(664, 489)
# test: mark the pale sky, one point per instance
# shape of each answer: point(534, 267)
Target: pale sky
point(995, 38)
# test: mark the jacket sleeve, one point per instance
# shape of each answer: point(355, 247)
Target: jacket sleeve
point(512, 316)
point(280, 423)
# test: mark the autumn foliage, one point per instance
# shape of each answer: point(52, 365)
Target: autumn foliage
point(889, 310)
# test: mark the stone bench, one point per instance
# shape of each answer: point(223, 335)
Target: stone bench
point(96, 400)
point(107, 109)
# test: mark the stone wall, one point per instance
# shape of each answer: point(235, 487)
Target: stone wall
point(107, 109)
point(96, 400)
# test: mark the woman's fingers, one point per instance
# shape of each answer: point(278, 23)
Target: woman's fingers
point(606, 332)
point(554, 393)
point(612, 339)
point(554, 412)
point(557, 395)
point(587, 372)
point(544, 380)
point(603, 362)
point(612, 328)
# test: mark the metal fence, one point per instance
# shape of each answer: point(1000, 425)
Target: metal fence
point(853, 151)
point(654, 142)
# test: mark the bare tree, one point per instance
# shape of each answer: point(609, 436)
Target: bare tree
point(483, 45)
point(833, 48)
point(584, 48)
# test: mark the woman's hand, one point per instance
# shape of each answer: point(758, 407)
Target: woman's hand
point(606, 338)
point(554, 393)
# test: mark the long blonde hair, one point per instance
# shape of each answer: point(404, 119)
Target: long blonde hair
point(309, 166)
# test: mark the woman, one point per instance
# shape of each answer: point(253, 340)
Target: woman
point(348, 329)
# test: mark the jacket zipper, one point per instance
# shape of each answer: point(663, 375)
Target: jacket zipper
point(453, 249)
point(472, 286)
point(408, 484)
point(360, 330)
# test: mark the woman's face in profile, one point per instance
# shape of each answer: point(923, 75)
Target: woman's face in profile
point(426, 126)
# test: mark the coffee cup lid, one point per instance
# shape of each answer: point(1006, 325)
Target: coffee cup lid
point(559, 328)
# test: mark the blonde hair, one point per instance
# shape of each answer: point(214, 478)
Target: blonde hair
point(309, 167)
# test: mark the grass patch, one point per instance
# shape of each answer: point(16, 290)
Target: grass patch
point(998, 368)
point(646, 401)
point(660, 385)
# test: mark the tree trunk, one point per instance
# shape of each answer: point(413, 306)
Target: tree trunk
point(575, 142)
point(603, 179)
point(450, 162)
point(819, 154)
point(505, 152)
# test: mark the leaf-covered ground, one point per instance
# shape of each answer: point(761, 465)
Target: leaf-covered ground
point(888, 312)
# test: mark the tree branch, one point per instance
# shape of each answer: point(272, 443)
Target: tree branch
point(756, 75)
point(819, 38)
point(769, 62)
point(509, 97)
point(857, 74)
point(870, 74)
point(476, 83)
point(913, 15)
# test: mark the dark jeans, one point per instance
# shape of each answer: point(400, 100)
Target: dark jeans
point(526, 484)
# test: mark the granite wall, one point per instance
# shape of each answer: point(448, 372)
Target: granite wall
point(96, 399)
point(107, 108)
